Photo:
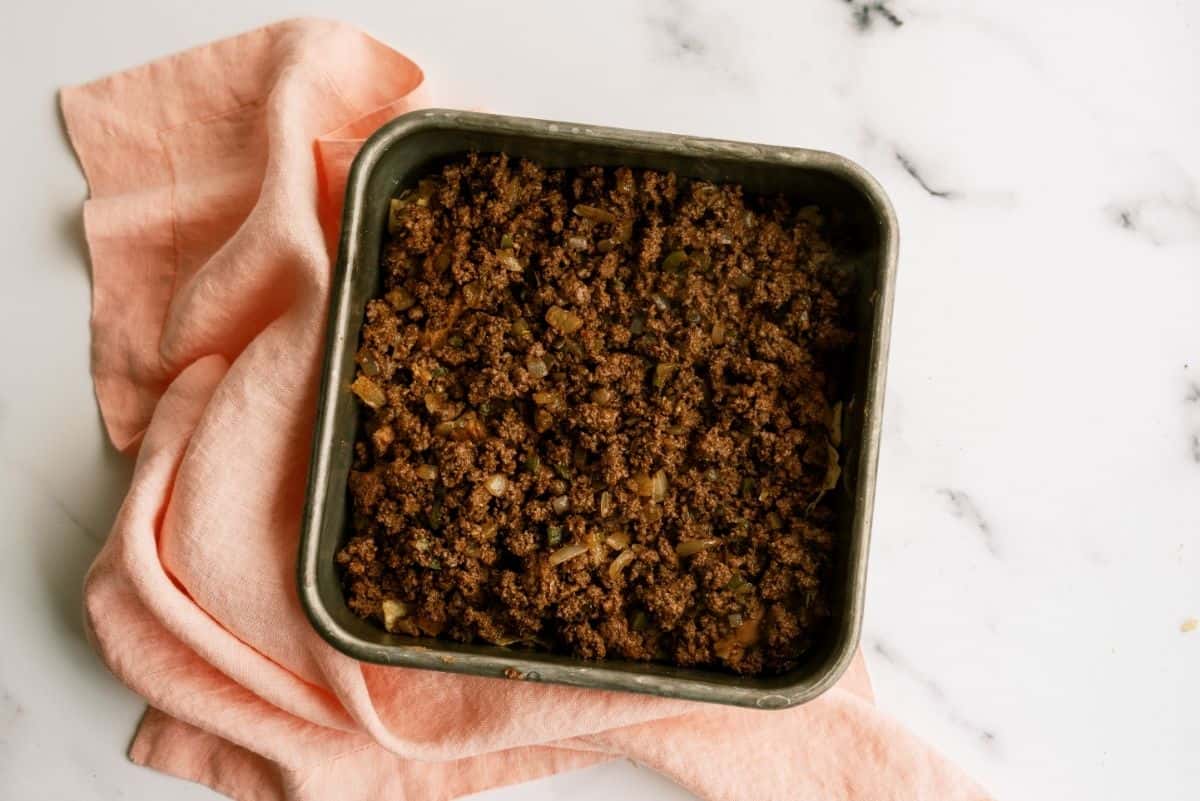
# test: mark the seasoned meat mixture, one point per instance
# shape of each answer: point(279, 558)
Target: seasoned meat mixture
point(599, 417)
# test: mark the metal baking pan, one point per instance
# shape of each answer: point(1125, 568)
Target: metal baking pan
point(409, 147)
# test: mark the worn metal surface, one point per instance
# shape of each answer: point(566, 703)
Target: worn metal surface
point(407, 148)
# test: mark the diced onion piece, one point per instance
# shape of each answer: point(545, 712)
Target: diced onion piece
point(674, 260)
point(744, 635)
point(567, 552)
point(401, 299)
point(747, 633)
point(435, 402)
point(520, 328)
point(563, 321)
point(718, 333)
point(470, 428)
point(736, 619)
point(618, 564)
point(427, 472)
point(502, 639)
point(545, 398)
point(496, 484)
point(594, 214)
point(692, 547)
point(577, 242)
point(624, 231)
point(642, 485)
point(466, 427)
point(369, 366)
point(663, 372)
point(833, 470)
point(560, 504)
point(596, 546)
point(618, 540)
point(509, 262)
point(368, 392)
point(506, 242)
point(602, 395)
point(605, 503)
point(835, 424)
point(536, 367)
point(739, 585)
point(658, 486)
point(473, 294)
point(393, 611)
point(395, 214)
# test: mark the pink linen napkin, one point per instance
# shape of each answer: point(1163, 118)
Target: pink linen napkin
point(215, 186)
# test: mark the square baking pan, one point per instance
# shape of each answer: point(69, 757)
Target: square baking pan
point(412, 146)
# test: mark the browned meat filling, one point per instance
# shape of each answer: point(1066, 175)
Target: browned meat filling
point(599, 417)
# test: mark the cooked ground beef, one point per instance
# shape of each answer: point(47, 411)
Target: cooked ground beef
point(599, 417)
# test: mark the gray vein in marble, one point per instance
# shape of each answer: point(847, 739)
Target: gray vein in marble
point(911, 169)
point(10, 709)
point(11, 712)
point(982, 734)
point(1159, 219)
point(964, 508)
point(46, 491)
point(71, 517)
point(690, 35)
point(1192, 398)
point(865, 14)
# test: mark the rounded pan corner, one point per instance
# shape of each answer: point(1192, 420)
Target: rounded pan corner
point(384, 137)
point(867, 185)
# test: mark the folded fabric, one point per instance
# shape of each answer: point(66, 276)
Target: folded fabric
point(216, 179)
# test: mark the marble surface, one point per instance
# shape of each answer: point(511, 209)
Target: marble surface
point(1037, 541)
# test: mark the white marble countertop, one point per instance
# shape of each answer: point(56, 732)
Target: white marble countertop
point(1037, 541)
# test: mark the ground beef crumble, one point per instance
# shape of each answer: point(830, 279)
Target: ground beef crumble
point(599, 417)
